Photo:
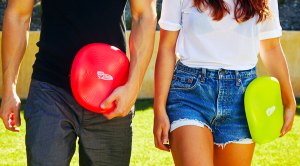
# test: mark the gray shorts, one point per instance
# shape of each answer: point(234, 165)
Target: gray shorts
point(54, 120)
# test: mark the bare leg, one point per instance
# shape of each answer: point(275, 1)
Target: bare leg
point(234, 154)
point(192, 146)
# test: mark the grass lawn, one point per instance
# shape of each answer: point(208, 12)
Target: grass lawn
point(282, 152)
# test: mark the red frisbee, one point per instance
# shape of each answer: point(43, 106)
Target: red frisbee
point(96, 71)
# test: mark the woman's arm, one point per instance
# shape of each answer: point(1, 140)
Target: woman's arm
point(164, 68)
point(274, 60)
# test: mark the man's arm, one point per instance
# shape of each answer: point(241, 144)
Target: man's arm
point(14, 41)
point(141, 42)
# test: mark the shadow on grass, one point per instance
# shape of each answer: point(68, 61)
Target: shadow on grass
point(143, 104)
point(140, 105)
point(23, 102)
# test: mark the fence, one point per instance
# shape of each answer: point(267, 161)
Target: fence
point(290, 42)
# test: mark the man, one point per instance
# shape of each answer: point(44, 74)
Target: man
point(54, 119)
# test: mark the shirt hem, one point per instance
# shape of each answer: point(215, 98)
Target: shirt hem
point(270, 34)
point(169, 26)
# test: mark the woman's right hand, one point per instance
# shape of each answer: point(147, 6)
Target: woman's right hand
point(161, 130)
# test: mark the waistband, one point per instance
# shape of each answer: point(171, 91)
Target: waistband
point(216, 73)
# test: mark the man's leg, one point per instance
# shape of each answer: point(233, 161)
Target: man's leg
point(105, 142)
point(50, 130)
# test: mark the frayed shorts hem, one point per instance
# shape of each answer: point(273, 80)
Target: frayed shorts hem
point(243, 141)
point(187, 122)
point(194, 122)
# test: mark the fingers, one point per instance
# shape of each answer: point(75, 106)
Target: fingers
point(10, 112)
point(157, 138)
point(9, 122)
point(113, 114)
point(17, 118)
point(120, 99)
point(288, 122)
point(165, 139)
point(118, 112)
point(161, 139)
point(108, 103)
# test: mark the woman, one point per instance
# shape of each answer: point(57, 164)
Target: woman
point(200, 103)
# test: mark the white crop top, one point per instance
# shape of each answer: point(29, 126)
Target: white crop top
point(203, 42)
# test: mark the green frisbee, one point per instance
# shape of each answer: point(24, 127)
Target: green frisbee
point(264, 109)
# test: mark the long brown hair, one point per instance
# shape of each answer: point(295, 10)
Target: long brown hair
point(243, 9)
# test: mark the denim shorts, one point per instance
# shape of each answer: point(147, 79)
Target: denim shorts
point(211, 98)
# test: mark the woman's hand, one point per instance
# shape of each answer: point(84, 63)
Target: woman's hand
point(289, 114)
point(161, 131)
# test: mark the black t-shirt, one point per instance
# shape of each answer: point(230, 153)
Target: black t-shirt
point(68, 25)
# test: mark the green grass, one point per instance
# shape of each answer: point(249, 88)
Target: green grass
point(283, 151)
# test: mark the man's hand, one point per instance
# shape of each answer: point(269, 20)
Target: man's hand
point(10, 112)
point(123, 97)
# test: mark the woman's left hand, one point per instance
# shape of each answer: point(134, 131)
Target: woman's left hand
point(289, 114)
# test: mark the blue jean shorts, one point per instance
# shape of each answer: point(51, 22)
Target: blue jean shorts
point(211, 98)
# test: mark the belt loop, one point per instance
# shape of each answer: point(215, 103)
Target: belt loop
point(203, 74)
point(238, 78)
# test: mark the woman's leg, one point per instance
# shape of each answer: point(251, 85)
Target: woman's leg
point(230, 127)
point(192, 146)
point(233, 154)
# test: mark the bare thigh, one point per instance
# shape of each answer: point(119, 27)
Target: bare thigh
point(234, 154)
point(192, 146)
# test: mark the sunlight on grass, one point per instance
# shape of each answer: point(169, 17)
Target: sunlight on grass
point(144, 151)
point(283, 151)
point(12, 146)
